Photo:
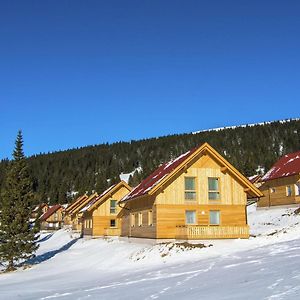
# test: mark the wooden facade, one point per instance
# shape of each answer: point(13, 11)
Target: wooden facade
point(168, 210)
point(100, 216)
point(280, 191)
point(52, 219)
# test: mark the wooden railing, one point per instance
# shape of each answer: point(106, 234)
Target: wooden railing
point(112, 231)
point(198, 232)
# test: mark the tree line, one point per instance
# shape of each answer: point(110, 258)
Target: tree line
point(56, 176)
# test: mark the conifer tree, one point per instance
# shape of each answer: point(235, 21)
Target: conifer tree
point(17, 235)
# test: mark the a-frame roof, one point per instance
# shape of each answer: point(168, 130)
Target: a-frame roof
point(91, 205)
point(50, 212)
point(83, 203)
point(287, 165)
point(75, 203)
point(165, 172)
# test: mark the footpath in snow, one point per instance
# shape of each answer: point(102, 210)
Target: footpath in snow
point(264, 267)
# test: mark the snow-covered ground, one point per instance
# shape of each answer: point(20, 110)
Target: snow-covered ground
point(264, 267)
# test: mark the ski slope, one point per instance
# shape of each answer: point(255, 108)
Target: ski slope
point(264, 267)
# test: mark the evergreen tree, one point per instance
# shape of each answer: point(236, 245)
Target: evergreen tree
point(17, 235)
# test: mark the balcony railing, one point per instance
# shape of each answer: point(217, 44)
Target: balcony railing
point(112, 231)
point(198, 232)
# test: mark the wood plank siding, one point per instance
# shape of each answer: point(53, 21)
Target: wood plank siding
point(275, 192)
point(169, 206)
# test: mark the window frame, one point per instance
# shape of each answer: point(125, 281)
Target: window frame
point(132, 220)
point(218, 191)
point(114, 208)
point(219, 212)
point(190, 191)
point(193, 211)
point(150, 218)
point(288, 191)
point(140, 219)
point(111, 221)
point(297, 189)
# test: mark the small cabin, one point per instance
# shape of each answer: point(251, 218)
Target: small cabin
point(39, 209)
point(52, 219)
point(72, 206)
point(281, 184)
point(75, 213)
point(99, 216)
point(198, 195)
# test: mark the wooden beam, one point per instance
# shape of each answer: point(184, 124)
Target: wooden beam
point(247, 190)
point(224, 169)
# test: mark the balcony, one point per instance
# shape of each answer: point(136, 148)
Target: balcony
point(199, 232)
point(112, 231)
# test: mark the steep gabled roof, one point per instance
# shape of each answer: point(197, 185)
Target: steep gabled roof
point(103, 196)
point(287, 165)
point(50, 212)
point(166, 171)
point(83, 203)
point(255, 178)
point(74, 204)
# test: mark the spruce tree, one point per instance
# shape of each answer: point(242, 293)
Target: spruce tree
point(18, 238)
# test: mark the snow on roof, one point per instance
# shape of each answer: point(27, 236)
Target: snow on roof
point(157, 176)
point(254, 178)
point(287, 165)
point(50, 211)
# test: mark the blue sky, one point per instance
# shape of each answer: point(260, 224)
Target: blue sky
point(75, 73)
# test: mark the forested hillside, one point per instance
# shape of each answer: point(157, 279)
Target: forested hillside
point(248, 148)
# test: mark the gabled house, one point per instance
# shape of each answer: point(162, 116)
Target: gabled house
point(282, 182)
point(76, 213)
point(198, 195)
point(39, 209)
point(100, 213)
point(52, 218)
point(72, 206)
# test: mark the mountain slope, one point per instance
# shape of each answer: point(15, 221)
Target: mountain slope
point(249, 148)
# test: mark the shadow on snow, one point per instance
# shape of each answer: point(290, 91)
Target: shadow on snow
point(45, 238)
point(43, 257)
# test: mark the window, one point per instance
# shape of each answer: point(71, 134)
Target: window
point(150, 218)
point(113, 223)
point(214, 217)
point(132, 220)
point(297, 189)
point(272, 190)
point(189, 188)
point(140, 219)
point(190, 217)
point(113, 206)
point(90, 223)
point(213, 188)
point(289, 191)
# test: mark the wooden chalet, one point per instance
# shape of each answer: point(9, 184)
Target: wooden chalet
point(71, 207)
point(198, 195)
point(282, 182)
point(100, 214)
point(39, 209)
point(75, 213)
point(52, 219)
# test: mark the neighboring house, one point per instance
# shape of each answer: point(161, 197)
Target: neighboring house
point(52, 218)
point(198, 195)
point(257, 181)
point(282, 182)
point(71, 207)
point(41, 208)
point(100, 214)
point(76, 214)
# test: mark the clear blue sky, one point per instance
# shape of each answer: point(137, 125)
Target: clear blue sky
point(74, 73)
